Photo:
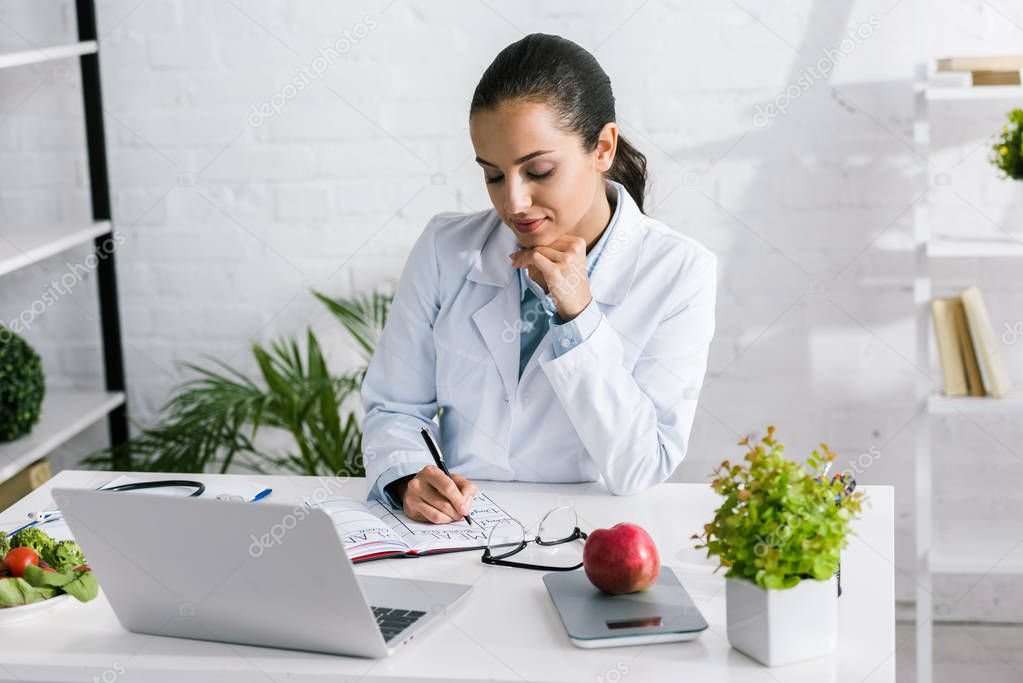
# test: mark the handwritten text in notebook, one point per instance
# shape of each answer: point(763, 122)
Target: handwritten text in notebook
point(369, 530)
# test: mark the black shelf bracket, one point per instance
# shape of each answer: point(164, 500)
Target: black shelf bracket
point(103, 245)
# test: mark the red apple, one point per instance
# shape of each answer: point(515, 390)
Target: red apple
point(622, 559)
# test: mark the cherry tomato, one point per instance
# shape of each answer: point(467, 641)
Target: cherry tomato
point(19, 558)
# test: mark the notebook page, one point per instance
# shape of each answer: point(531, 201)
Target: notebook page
point(424, 536)
point(361, 532)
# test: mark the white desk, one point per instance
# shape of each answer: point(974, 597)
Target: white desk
point(507, 629)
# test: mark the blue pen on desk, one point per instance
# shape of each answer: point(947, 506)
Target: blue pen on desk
point(262, 494)
point(438, 459)
point(35, 522)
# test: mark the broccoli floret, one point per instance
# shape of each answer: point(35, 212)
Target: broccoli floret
point(33, 538)
point(5, 544)
point(63, 556)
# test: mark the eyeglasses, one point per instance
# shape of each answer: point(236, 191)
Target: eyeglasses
point(557, 527)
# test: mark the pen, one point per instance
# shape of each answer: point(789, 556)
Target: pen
point(438, 459)
point(262, 494)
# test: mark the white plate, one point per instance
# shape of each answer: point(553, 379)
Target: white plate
point(11, 615)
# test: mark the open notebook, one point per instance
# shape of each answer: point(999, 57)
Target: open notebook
point(370, 531)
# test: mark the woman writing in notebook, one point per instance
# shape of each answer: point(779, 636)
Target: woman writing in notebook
point(562, 335)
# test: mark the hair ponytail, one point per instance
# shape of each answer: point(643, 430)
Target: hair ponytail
point(629, 169)
point(554, 70)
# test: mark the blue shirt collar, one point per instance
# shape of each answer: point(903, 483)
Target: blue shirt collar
point(526, 282)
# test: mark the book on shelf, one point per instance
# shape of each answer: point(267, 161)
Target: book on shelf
point(971, 360)
point(953, 368)
point(962, 72)
point(996, 77)
point(967, 349)
point(989, 354)
point(966, 79)
point(994, 63)
point(951, 79)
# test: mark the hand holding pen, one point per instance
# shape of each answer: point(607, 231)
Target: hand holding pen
point(439, 496)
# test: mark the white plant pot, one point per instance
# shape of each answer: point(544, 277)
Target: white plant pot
point(778, 627)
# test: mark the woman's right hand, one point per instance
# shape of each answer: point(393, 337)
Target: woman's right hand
point(431, 496)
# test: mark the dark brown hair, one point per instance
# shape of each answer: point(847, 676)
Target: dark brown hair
point(554, 70)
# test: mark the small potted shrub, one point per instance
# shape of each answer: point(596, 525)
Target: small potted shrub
point(779, 533)
point(1007, 152)
point(22, 386)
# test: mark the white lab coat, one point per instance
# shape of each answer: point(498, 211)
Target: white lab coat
point(617, 407)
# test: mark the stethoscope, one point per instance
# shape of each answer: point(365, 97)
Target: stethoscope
point(197, 487)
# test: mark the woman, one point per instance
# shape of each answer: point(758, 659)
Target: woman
point(562, 334)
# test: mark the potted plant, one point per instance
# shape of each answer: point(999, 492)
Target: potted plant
point(1007, 152)
point(211, 421)
point(22, 386)
point(779, 533)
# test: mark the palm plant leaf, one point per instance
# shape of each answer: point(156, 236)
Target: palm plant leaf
point(363, 316)
point(203, 421)
point(213, 418)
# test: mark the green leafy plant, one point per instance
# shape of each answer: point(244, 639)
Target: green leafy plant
point(212, 420)
point(22, 386)
point(780, 522)
point(1007, 152)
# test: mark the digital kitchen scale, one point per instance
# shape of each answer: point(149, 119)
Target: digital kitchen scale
point(663, 613)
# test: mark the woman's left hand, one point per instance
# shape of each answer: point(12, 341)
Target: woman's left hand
point(562, 264)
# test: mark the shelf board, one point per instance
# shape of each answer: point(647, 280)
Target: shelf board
point(23, 245)
point(977, 546)
point(46, 54)
point(975, 405)
point(965, 248)
point(974, 92)
point(65, 413)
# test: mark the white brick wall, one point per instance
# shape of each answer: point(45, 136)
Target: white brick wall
point(228, 224)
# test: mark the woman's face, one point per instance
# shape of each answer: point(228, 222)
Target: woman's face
point(540, 180)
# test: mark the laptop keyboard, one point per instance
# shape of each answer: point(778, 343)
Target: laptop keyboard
point(394, 621)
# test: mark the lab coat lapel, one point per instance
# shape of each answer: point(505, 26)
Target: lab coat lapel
point(541, 353)
point(497, 319)
point(612, 277)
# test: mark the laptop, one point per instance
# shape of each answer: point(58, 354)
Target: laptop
point(262, 573)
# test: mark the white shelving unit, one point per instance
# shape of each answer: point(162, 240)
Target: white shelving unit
point(66, 413)
point(23, 245)
point(1012, 403)
point(965, 548)
point(977, 93)
point(948, 248)
point(47, 54)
